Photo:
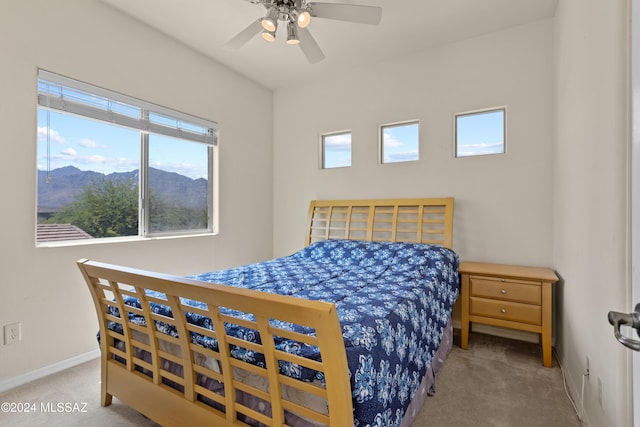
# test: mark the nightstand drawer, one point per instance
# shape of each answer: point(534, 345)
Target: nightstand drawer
point(505, 310)
point(508, 290)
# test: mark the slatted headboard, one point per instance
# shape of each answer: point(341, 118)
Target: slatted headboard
point(387, 220)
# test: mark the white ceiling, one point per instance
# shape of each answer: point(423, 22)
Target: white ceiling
point(407, 26)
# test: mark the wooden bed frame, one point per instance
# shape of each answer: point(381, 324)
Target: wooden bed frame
point(141, 383)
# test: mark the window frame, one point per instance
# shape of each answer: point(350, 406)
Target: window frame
point(381, 142)
point(323, 150)
point(195, 129)
point(478, 112)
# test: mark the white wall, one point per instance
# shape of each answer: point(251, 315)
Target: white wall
point(503, 210)
point(591, 230)
point(86, 40)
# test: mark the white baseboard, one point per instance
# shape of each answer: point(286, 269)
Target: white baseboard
point(47, 370)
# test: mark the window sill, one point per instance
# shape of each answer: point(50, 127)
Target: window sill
point(112, 240)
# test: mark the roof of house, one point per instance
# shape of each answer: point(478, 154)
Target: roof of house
point(56, 232)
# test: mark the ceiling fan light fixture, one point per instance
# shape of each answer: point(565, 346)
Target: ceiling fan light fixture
point(296, 14)
point(303, 17)
point(270, 21)
point(269, 36)
point(292, 33)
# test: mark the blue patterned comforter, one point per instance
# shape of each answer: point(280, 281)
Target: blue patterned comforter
point(393, 302)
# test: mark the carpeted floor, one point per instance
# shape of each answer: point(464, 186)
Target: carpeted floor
point(497, 382)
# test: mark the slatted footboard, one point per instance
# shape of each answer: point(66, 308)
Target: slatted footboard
point(206, 388)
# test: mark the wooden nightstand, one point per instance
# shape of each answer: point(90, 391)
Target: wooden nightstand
point(509, 296)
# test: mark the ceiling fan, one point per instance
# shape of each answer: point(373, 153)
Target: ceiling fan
point(296, 15)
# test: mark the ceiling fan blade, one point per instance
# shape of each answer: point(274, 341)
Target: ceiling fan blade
point(245, 35)
point(309, 46)
point(347, 12)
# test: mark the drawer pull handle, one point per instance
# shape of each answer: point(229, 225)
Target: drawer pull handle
point(503, 291)
point(503, 310)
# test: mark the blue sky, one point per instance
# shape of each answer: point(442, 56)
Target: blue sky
point(337, 150)
point(401, 142)
point(480, 133)
point(100, 147)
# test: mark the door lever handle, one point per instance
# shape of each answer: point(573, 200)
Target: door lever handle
point(628, 319)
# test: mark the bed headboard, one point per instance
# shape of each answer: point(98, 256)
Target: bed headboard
point(423, 220)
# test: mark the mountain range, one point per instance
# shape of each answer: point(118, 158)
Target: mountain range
point(65, 183)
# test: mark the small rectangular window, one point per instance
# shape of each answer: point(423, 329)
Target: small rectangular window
point(114, 166)
point(399, 142)
point(336, 150)
point(480, 132)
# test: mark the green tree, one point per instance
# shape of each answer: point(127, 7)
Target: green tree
point(167, 216)
point(105, 208)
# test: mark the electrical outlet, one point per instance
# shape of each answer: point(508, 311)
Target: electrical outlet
point(588, 371)
point(12, 333)
point(600, 392)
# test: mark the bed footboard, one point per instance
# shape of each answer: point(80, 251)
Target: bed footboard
point(207, 387)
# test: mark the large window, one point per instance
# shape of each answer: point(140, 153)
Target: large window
point(113, 166)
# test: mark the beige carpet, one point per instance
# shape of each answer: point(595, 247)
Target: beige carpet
point(495, 383)
point(498, 382)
